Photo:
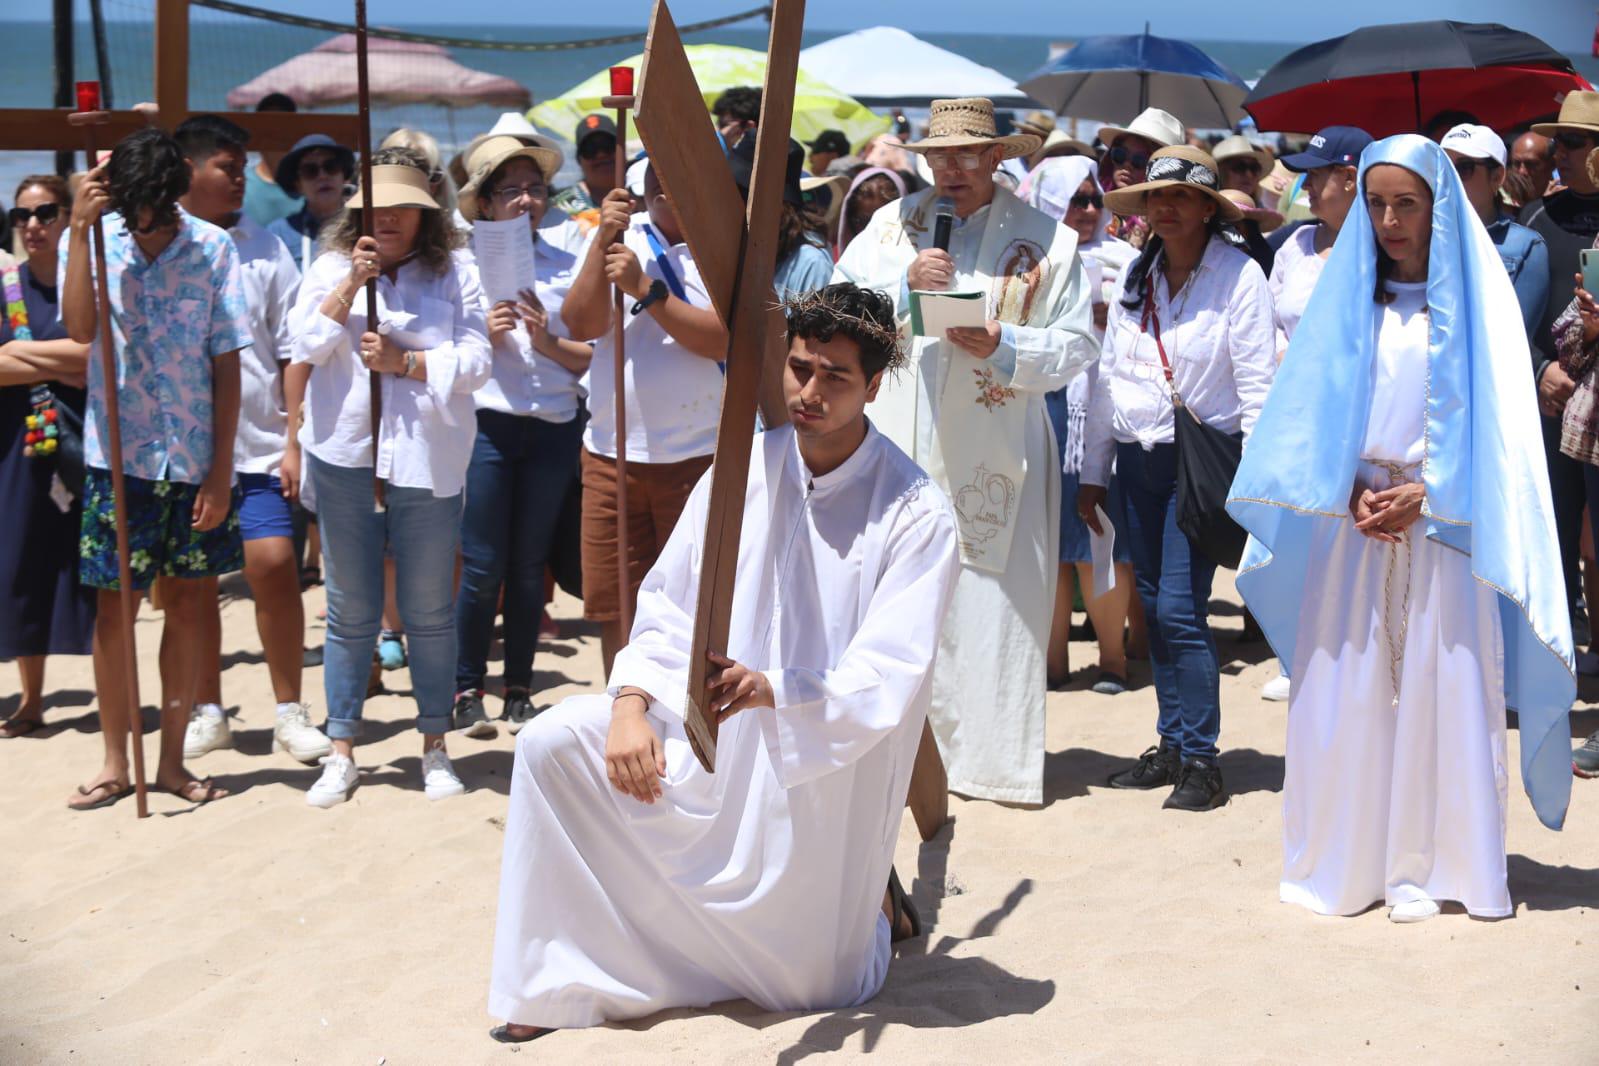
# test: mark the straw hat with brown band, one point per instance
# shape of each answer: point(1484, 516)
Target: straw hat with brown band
point(1264, 217)
point(492, 154)
point(396, 185)
point(1238, 145)
point(1578, 111)
point(968, 122)
point(1179, 165)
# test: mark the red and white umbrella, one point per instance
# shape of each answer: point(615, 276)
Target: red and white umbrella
point(402, 72)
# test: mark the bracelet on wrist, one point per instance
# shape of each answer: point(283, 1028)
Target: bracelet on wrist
point(339, 296)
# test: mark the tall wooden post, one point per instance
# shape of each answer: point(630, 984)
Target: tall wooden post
point(621, 100)
point(172, 60)
point(63, 33)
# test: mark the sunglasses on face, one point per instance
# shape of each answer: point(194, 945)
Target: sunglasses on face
point(1573, 142)
point(1083, 201)
point(45, 213)
point(1246, 166)
point(1120, 155)
point(310, 168)
point(1467, 168)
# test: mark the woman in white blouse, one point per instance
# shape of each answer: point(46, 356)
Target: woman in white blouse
point(430, 354)
point(529, 435)
point(1192, 301)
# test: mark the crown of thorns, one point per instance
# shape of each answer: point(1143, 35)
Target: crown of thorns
point(857, 326)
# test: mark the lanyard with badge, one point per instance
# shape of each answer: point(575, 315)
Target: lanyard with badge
point(658, 250)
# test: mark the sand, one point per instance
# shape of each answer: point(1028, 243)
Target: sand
point(1098, 929)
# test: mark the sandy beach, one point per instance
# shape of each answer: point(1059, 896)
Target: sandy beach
point(1098, 929)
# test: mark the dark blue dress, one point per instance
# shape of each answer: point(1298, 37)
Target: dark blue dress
point(44, 611)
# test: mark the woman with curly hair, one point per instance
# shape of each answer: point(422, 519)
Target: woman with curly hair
point(430, 352)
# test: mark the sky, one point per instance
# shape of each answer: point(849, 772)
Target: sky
point(1566, 24)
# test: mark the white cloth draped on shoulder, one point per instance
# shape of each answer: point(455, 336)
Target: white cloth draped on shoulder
point(765, 879)
point(980, 428)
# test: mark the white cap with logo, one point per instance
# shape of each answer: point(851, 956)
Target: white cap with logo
point(1475, 142)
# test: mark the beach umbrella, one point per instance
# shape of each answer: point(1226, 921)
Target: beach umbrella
point(401, 72)
point(1114, 78)
point(885, 66)
point(1393, 78)
point(818, 106)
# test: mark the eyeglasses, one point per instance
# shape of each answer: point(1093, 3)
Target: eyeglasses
point(1083, 201)
point(45, 213)
point(310, 168)
point(948, 160)
point(509, 194)
point(1573, 142)
point(1247, 166)
point(1120, 155)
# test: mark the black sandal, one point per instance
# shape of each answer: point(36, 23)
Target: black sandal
point(502, 1033)
point(903, 906)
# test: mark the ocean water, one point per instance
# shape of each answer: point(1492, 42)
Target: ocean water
point(226, 51)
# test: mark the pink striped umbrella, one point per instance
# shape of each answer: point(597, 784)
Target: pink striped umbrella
point(401, 72)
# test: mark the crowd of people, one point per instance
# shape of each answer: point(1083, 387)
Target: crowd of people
point(1392, 340)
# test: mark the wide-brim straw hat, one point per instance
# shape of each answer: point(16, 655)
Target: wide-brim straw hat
point(1178, 165)
point(1058, 144)
point(489, 156)
point(968, 122)
point(1152, 124)
point(1238, 145)
point(1579, 111)
point(1264, 217)
point(396, 185)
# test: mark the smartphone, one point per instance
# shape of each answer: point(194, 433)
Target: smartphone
point(1590, 270)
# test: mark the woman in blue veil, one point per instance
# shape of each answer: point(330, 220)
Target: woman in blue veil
point(1403, 559)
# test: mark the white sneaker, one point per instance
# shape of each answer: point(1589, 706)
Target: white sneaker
point(1276, 690)
point(439, 779)
point(295, 734)
point(1415, 910)
point(333, 787)
point(208, 730)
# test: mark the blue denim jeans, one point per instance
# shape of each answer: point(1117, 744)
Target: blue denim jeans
point(1174, 585)
point(521, 471)
point(422, 532)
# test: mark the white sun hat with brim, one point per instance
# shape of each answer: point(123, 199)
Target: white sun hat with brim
point(489, 157)
point(1169, 167)
point(968, 122)
point(396, 185)
point(1152, 124)
point(1238, 145)
point(1264, 217)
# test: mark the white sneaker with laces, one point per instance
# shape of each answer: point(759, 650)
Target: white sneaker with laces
point(1276, 690)
point(295, 734)
point(1414, 910)
point(208, 730)
point(334, 786)
point(439, 779)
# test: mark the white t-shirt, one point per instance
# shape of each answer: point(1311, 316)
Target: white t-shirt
point(524, 382)
point(270, 282)
point(1294, 274)
point(1396, 428)
point(674, 398)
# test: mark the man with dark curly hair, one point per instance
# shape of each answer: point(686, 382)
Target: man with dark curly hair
point(633, 880)
point(178, 319)
point(737, 112)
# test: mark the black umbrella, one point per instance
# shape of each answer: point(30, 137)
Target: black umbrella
point(1368, 77)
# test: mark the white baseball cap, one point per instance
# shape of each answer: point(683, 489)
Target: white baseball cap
point(635, 176)
point(1475, 142)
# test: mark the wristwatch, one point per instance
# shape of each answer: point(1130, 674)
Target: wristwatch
point(657, 293)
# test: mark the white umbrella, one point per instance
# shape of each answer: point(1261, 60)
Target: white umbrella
point(886, 67)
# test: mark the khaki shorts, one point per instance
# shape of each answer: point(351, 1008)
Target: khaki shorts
point(656, 495)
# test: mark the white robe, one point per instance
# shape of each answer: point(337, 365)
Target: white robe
point(1383, 802)
point(765, 880)
point(989, 684)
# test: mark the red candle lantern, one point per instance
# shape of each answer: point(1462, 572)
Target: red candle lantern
point(621, 81)
point(88, 96)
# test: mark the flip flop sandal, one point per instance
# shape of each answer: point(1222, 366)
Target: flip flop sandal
point(111, 797)
point(502, 1033)
point(185, 792)
point(903, 906)
point(14, 727)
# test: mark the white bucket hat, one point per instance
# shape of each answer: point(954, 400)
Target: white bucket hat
point(1154, 124)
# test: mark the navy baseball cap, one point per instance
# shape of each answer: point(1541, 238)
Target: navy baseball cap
point(1335, 146)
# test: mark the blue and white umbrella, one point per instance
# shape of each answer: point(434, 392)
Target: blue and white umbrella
point(1114, 78)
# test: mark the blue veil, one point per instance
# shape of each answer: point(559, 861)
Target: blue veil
point(1484, 469)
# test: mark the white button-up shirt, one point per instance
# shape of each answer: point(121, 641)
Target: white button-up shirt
point(428, 428)
point(270, 282)
point(1220, 340)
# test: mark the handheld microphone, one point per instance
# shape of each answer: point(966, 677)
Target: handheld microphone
point(943, 222)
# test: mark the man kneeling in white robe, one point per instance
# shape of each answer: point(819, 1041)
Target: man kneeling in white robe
point(633, 880)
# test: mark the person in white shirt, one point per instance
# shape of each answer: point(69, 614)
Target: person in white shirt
point(215, 149)
point(529, 434)
point(633, 880)
point(1194, 302)
point(430, 353)
point(673, 348)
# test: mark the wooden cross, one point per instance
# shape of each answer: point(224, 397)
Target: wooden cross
point(736, 258)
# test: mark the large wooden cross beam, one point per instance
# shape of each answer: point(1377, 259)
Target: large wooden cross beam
point(736, 258)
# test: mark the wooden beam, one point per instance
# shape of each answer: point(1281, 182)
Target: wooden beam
point(40, 129)
point(755, 323)
point(172, 59)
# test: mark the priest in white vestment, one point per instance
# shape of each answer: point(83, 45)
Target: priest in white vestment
point(971, 412)
point(633, 880)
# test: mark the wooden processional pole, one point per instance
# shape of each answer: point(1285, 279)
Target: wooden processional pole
point(621, 99)
point(363, 96)
point(89, 115)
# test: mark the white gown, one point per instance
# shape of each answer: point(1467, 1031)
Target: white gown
point(765, 880)
point(1386, 803)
